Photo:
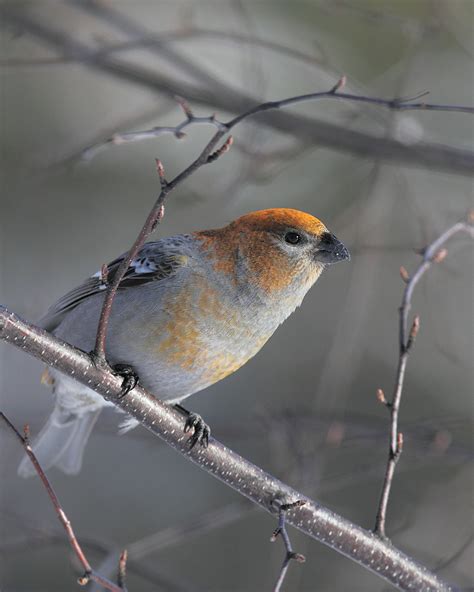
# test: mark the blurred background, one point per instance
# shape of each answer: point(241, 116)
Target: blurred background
point(73, 72)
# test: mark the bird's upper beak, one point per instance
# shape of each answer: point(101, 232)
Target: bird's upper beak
point(330, 250)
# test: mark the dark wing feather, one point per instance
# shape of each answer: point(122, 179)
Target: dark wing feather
point(155, 261)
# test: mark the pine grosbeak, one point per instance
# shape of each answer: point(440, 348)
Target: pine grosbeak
point(191, 309)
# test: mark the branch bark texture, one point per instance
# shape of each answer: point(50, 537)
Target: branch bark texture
point(315, 520)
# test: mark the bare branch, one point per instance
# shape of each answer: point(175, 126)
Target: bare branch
point(289, 553)
point(89, 573)
point(313, 519)
point(396, 104)
point(220, 96)
point(122, 570)
point(154, 217)
point(434, 253)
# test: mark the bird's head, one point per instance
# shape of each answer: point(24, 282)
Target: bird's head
point(275, 250)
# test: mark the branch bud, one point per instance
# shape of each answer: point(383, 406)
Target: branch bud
point(160, 169)
point(122, 568)
point(220, 151)
point(440, 255)
point(117, 139)
point(399, 442)
point(275, 534)
point(104, 274)
point(83, 580)
point(340, 84)
point(185, 107)
point(404, 274)
point(159, 217)
point(415, 327)
point(381, 397)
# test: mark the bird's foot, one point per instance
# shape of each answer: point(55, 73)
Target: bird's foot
point(129, 377)
point(201, 431)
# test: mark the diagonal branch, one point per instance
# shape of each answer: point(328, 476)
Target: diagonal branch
point(433, 253)
point(315, 520)
point(155, 216)
point(89, 573)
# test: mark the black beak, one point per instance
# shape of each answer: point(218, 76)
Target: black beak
point(331, 250)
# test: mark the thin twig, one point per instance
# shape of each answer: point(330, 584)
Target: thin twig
point(315, 520)
point(289, 553)
point(433, 253)
point(153, 219)
point(221, 96)
point(397, 104)
point(89, 573)
point(122, 570)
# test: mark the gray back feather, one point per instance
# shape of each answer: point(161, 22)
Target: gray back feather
point(154, 262)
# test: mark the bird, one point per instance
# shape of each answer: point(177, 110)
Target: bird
point(190, 310)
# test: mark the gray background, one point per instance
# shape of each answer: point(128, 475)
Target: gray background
point(304, 408)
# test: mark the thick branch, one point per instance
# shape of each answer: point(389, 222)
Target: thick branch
point(315, 520)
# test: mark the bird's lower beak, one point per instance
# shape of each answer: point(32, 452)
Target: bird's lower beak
point(331, 250)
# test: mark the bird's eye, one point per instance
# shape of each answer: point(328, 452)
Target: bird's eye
point(293, 238)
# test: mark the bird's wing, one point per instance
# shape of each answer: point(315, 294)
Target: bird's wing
point(154, 262)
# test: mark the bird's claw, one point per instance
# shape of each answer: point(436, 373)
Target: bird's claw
point(201, 431)
point(129, 377)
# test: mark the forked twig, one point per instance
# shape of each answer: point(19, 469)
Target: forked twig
point(412, 103)
point(289, 553)
point(433, 253)
point(89, 573)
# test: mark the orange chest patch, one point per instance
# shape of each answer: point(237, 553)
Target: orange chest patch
point(202, 334)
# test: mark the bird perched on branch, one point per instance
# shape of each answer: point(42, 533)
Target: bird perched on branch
point(190, 310)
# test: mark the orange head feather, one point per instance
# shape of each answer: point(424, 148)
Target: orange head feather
point(258, 243)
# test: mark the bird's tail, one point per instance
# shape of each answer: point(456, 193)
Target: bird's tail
point(61, 442)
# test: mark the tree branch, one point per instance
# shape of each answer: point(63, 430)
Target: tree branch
point(289, 553)
point(395, 104)
point(318, 522)
point(154, 217)
point(433, 253)
point(89, 573)
point(323, 133)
